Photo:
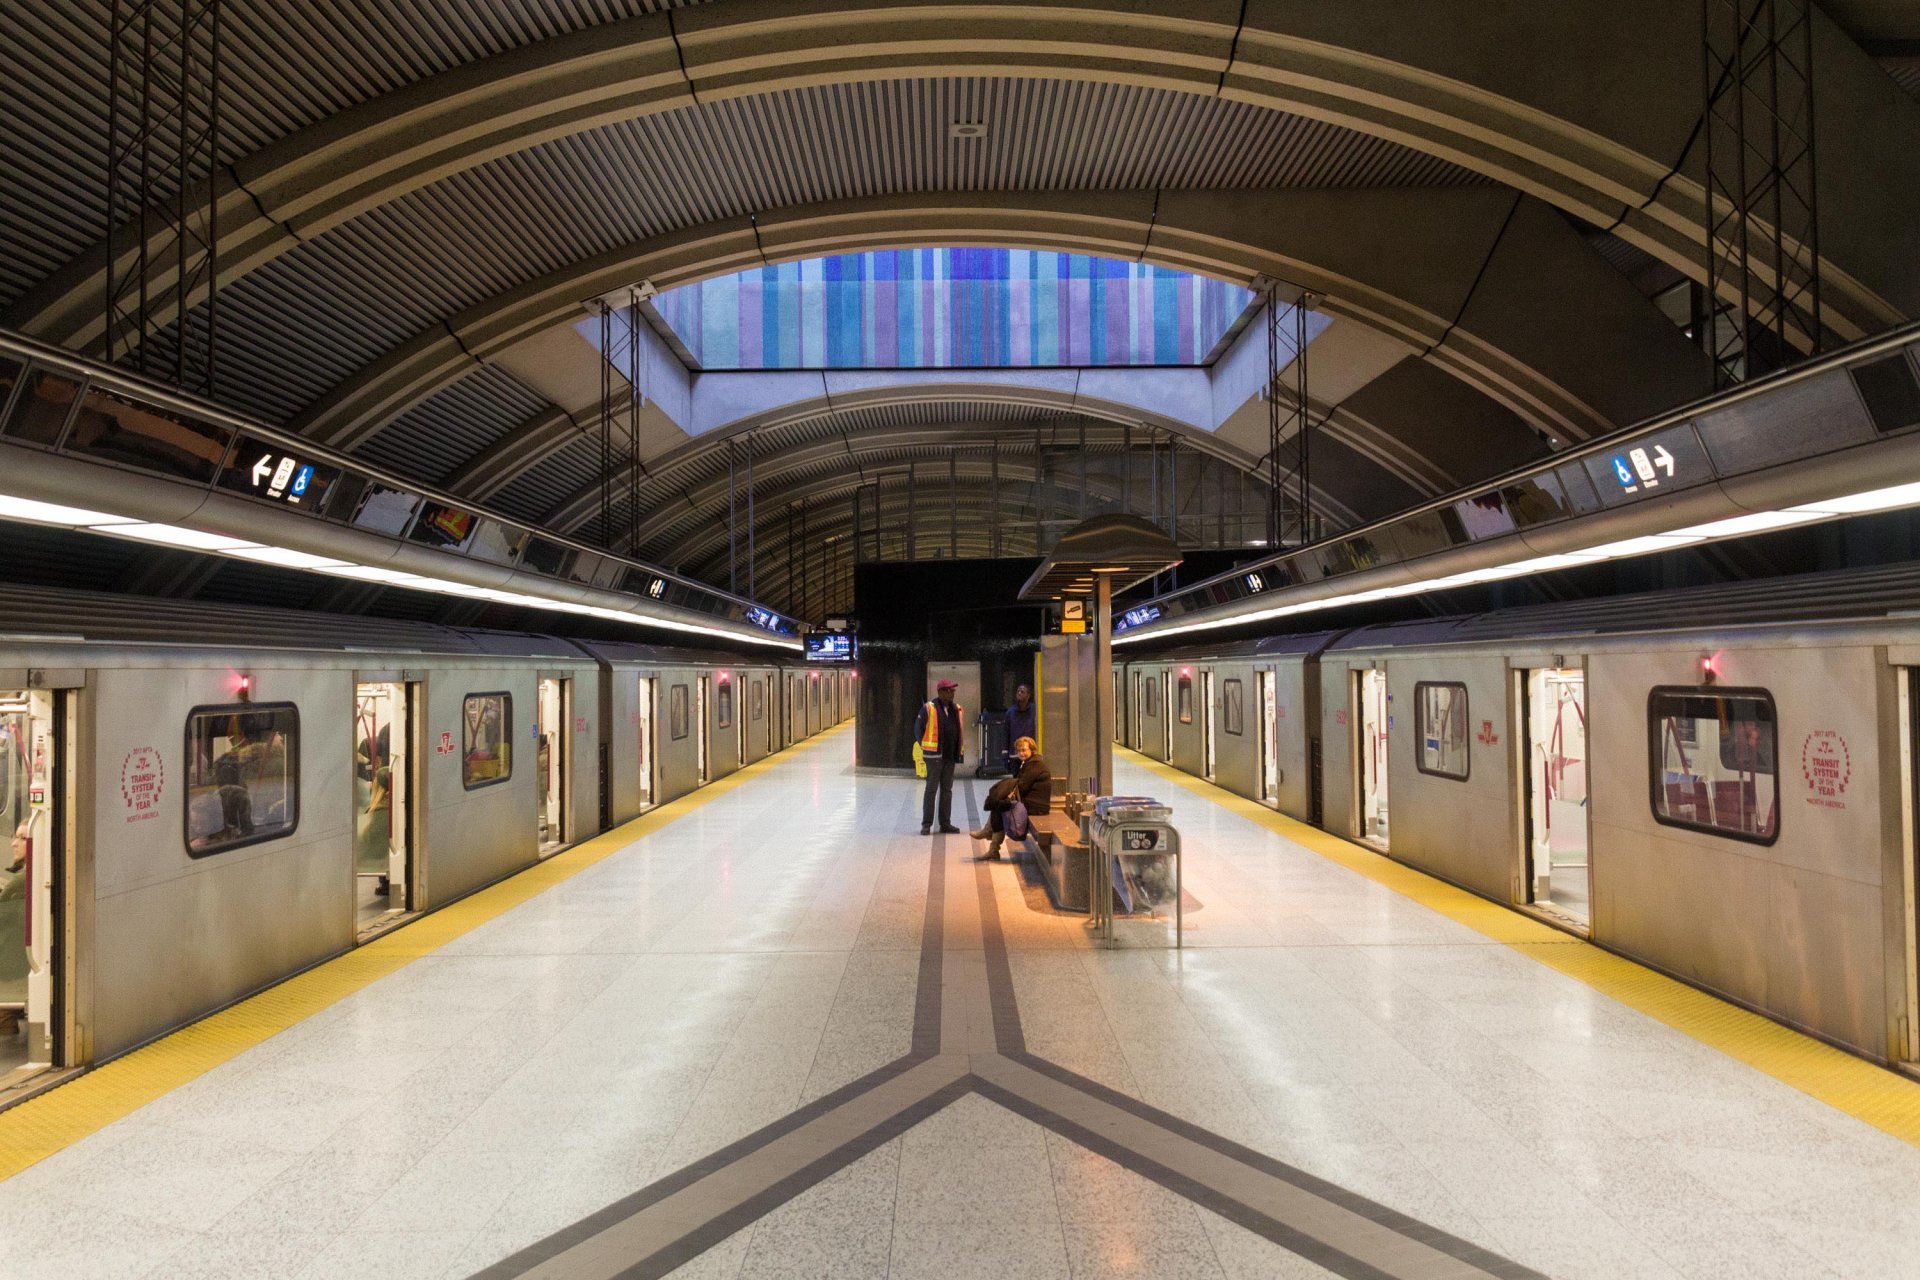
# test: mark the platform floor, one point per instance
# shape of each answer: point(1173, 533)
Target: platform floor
point(785, 1035)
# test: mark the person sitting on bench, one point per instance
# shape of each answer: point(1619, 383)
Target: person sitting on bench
point(1032, 787)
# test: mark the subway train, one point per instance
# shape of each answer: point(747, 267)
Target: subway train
point(203, 800)
point(1716, 782)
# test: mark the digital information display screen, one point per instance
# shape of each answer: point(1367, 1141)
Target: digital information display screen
point(830, 646)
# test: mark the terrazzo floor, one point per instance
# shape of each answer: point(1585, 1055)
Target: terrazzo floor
point(765, 951)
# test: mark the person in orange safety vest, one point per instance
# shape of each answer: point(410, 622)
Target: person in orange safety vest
point(937, 728)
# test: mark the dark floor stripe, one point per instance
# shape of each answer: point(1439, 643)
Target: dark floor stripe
point(1392, 1219)
point(926, 1001)
point(1315, 1251)
point(592, 1225)
point(1007, 1034)
point(698, 1241)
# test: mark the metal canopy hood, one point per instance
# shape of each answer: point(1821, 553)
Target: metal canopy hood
point(88, 447)
point(1125, 550)
point(1833, 437)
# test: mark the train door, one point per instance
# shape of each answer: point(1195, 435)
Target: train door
point(550, 757)
point(1137, 739)
point(765, 705)
point(643, 706)
point(700, 735)
point(1207, 718)
point(1166, 716)
point(1373, 714)
point(1269, 738)
point(1557, 873)
point(33, 805)
point(383, 791)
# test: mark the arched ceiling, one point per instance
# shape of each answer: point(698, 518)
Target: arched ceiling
point(419, 197)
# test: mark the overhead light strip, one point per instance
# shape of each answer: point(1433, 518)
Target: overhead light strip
point(32, 511)
point(1888, 499)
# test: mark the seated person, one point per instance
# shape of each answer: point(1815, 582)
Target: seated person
point(1032, 787)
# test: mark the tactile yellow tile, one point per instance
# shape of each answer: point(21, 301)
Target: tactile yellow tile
point(1887, 1101)
point(40, 1126)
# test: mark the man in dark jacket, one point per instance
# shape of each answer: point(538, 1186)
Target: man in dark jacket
point(1020, 720)
point(937, 730)
point(1032, 787)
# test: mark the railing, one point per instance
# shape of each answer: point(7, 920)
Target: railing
point(72, 407)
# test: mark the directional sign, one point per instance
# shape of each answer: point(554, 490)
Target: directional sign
point(1666, 460)
point(263, 469)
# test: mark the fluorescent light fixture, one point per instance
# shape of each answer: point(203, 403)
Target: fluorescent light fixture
point(285, 558)
point(372, 573)
point(172, 535)
point(1756, 522)
point(1887, 499)
point(53, 513)
point(1637, 546)
point(1900, 495)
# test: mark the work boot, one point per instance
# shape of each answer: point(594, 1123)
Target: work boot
point(926, 828)
point(993, 850)
point(982, 833)
point(949, 831)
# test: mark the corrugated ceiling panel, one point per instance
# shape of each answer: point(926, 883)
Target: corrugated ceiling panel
point(430, 442)
point(543, 488)
point(283, 66)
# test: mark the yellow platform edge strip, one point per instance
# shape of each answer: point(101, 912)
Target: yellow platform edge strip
point(60, 1117)
point(1869, 1093)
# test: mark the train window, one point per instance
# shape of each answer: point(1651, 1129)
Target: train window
point(497, 542)
point(1183, 693)
point(1891, 394)
point(486, 739)
point(723, 704)
point(757, 702)
point(448, 528)
point(677, 712)
point(1152, 698)
point(1233, 713)
point(115, 428)
point(1440, 727)
point(1537, 500)
point(385, 510)
point(1713, 761)
point(243, 775)
point(41, 409)
point(546, 557)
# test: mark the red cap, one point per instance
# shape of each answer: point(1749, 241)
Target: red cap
point(946, 684)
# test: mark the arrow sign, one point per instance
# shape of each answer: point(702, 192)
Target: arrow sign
point(1663, 460)
point(262, 469)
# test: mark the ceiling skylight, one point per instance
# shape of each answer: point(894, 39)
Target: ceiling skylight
point(952, 309)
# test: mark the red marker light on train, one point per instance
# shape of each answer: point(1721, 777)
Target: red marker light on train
point(243, 688)
point(1710, 668)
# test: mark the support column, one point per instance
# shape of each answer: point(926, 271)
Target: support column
point(1103, 707)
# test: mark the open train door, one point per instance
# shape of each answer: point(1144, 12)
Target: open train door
point(35, 805)
point(645, 704)
point(1269, 738)
point(1558, 875)
point(384, 786)
point(1372, 712)
point(553, 712)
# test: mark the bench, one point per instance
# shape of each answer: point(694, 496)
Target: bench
point(1054, 844)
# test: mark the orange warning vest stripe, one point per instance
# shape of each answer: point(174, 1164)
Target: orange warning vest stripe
point(930, 736)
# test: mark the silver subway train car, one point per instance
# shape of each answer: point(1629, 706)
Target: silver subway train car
point(1719, 782)
point(203, 800)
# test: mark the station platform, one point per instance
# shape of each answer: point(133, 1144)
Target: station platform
point(770, 1030)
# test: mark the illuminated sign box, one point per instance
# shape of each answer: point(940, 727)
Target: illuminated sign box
point(831, 646)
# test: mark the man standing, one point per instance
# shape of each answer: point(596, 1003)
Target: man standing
point(1020, 724)
point(937, 728)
